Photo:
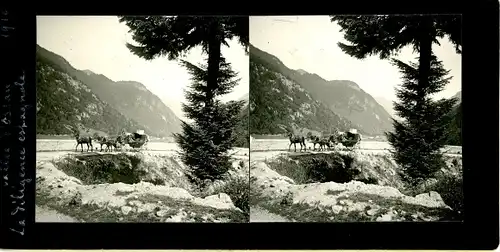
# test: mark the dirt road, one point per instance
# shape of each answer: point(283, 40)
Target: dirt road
point(258, 214)
point(43, 214)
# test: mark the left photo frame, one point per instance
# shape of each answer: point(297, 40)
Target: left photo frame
point(130, 129)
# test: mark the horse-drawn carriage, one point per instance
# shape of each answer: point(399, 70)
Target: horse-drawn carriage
point(135, 140)
point(349, 139)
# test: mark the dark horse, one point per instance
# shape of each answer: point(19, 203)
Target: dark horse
point(294, 139)
point(323, 143)
point(109, 142)
point(83, 139)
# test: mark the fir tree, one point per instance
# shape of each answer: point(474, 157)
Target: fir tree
point(205, 142)
point(418, 138)
point(386, 35)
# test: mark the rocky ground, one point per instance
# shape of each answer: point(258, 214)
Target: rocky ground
point(350, 201)
point(161, 194)
point(43, 214)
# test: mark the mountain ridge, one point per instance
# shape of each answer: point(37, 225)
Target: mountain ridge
point(278, 104)
point(130, 98)
point(343, 97)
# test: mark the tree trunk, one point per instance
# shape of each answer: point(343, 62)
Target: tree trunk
point(214, 50)
point(425, 50)
point(424, 66)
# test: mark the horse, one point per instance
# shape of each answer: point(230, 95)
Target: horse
point(101, 139)
point(332, 140)
point(294, 139)
point(83, 139)
point(322, 142)
point(109, 142)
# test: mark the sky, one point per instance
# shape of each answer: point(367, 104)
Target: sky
point(97, 43)
point(310, 43)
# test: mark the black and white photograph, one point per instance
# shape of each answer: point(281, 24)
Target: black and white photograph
point(142, 119)
point(355, 118)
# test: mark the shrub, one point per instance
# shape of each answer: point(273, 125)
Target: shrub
point(333, 167)
point(451, 190)
point(238, 190)
point(103, 169)
point(317, 168)
point(290, 168)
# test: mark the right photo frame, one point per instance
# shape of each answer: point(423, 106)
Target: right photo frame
point(355, 118)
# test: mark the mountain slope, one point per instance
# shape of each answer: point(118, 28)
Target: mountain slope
point(130, 98)
point(455, 133)
point(243, 140)
point(245, 98)
point(386, 104)
point(342, 97)
point(64, 103)
point(458, 95)
point(278, 103)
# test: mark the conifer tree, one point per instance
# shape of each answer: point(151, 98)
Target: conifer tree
point(205, 142)
point(418, 138)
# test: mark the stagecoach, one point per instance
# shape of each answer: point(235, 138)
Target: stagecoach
point(135, 140)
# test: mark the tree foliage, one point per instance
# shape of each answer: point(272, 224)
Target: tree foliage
point(205, 142)
point(418, 139)
point(386, 35)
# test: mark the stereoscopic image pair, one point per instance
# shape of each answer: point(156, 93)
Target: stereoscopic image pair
point(249, 119)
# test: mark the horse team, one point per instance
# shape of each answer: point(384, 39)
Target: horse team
point(350, 139)
point(110, 142)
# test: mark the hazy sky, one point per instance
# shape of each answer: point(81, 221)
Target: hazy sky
point(97, 43)
point(310, 43)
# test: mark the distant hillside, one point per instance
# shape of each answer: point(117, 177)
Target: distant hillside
point(64, 103)
point(278, 103)
point(130, 98)
point(458, 95)
point(245, 98)
point(456, 124)
point(344, 98)
point(386, 104)
point(243, 139)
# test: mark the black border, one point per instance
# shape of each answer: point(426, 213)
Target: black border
point(479, 231)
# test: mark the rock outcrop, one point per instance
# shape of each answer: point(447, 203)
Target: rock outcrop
point(139, 202)
point(352, 201)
